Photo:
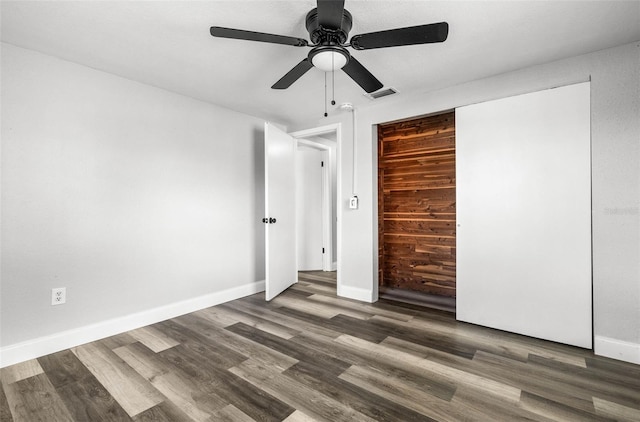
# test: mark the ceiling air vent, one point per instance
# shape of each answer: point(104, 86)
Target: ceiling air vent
point(381, 93)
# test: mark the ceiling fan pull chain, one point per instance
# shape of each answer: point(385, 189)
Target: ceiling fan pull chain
point(333, 80)
point(325, 95)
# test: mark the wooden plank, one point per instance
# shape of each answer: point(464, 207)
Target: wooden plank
point(299, 416)
point(616, 411)
point(460, 377)
point(230, 413)
point(310, 401)
point(163, 412)
point(130, 390)
point(257, 322)
point(416, 182)
point(215, 382)
point(20, 371)
point(5, 411)
point(180, 388)
point(88, 400)
point(258, 352)
point(411, 397)
point(153, 339)
point(352, 395)
point(556, 411)
point(35, 399)
point(296, 351)
point(80, 391)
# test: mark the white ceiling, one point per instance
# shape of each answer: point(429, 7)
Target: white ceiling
point(167, 44)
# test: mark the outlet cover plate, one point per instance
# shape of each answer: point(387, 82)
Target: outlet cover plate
point(58, 295)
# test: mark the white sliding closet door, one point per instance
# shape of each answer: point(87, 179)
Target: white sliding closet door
point(523, 172)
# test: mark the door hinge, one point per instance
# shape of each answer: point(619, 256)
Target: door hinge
point(321, 163)
point(322, 250)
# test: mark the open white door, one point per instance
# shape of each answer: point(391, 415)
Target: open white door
point(280, 211)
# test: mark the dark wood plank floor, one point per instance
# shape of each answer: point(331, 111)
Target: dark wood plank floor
point(310, 356)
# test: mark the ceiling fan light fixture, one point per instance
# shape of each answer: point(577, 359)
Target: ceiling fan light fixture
point(329, 58)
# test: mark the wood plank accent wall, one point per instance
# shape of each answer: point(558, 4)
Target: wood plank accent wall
point(417, 204)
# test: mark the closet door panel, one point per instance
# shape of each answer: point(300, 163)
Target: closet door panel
point(523, 201)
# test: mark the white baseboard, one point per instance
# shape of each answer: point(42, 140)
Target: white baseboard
point(617, 349)
point(334, 266)
point(42, 346)
point(363, 295)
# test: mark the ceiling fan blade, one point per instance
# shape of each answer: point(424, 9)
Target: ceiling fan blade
point(240, 34)
point(293, 75)
point(361, 75)
point(330, 13)
point(421, 34)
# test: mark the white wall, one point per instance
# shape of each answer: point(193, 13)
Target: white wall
point(309, 208)
point(615, 124)
point(131, 197)
point(333, 159)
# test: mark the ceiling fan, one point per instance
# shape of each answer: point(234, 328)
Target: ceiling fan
point(328, 26)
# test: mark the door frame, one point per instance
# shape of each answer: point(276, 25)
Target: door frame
point(336, 129)
point(327, 236)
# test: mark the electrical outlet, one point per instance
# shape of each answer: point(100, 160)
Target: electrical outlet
point(58, 295)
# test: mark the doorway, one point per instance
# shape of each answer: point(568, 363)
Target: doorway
point(417, 211)
point(314, 206)
point(317, 188)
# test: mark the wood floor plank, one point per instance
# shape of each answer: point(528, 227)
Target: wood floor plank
point(63, 368)
point(88, 400)
point(411, 398)
point(296, 394)
point(130, 390)
point(240, 344)
point(230, 413)
point(299, 416)
point(35, 399)
point(296, 351)
point(5, 411)
point(360, 306)
point(257, 322)
point(81, 392)
point(338, 324)
point(316, 309)
point(314, 288)
point(564, 387)
point(142, 360)
point(378, 351)
point(181, 387)
point(300, 325)
point(376, 406)
point(20, 371)
point(217, 353)
point(485, 407)
point(583, 378)
point(118, 340)
point(163, 412)
point(435, 385)
point(230, 388)
point(616, 411)
point(153, 338)
point(188, 396)
point(557, 411)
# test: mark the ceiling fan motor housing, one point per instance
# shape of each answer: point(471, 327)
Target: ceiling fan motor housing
point(321, 35)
